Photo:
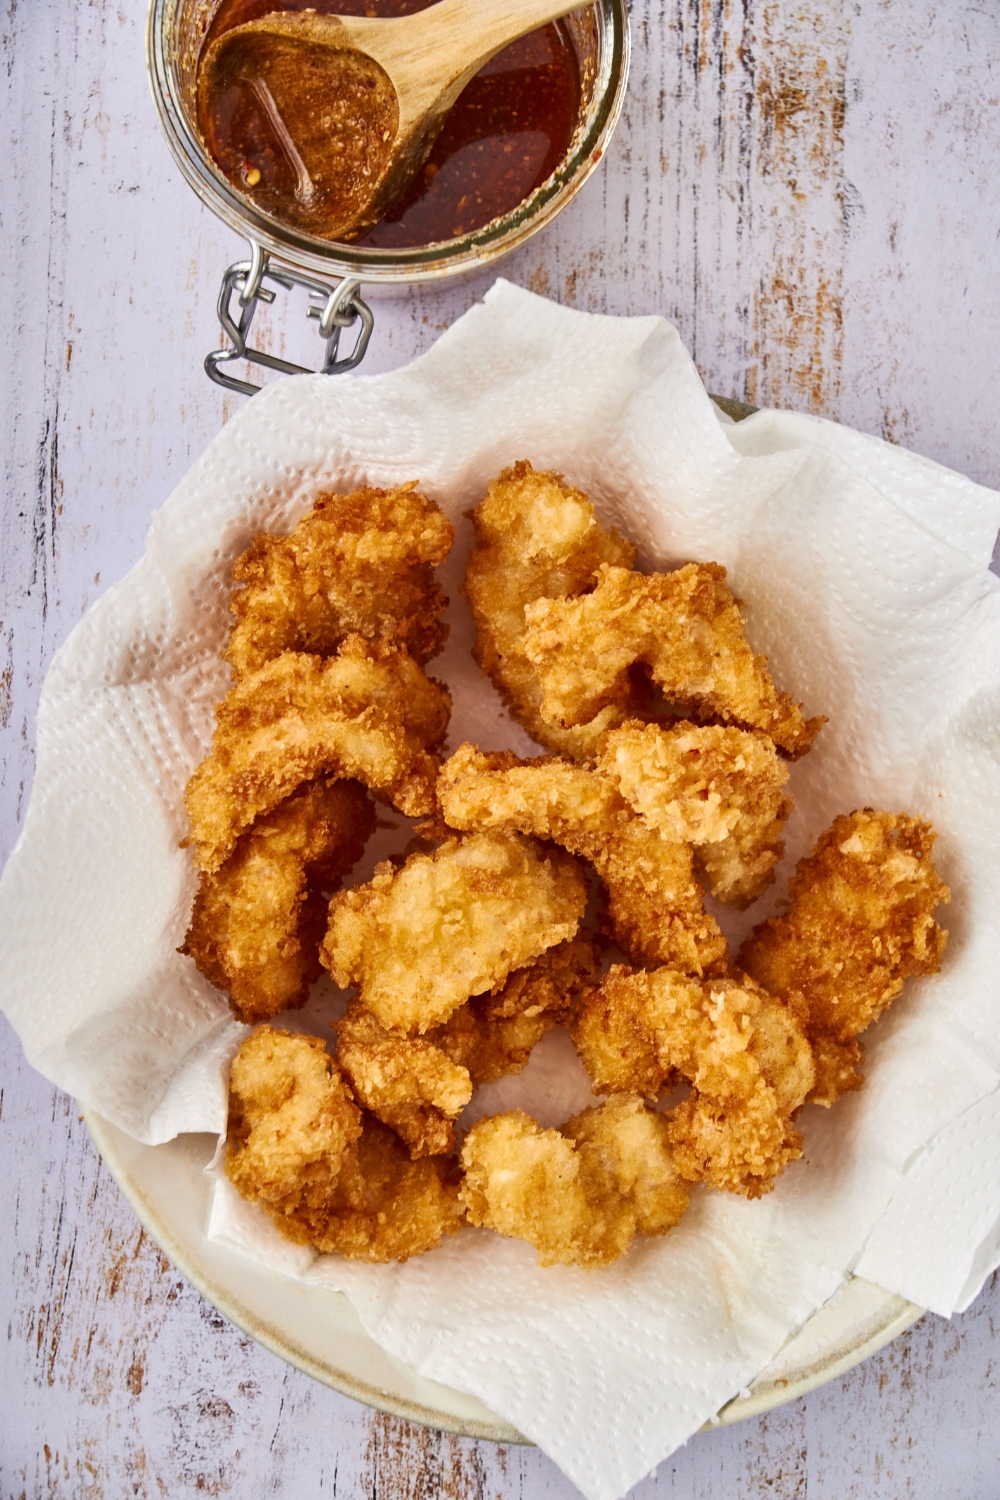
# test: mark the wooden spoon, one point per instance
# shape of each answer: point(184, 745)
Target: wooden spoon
point(355, 102)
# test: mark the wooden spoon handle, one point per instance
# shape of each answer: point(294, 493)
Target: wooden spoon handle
point(469, 32)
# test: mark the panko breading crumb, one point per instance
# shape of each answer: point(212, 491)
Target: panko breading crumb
point(718, 788)
point(421, 940)
point(580, 1194)
point(838, 1067)
point(370, 714)
point(684, 626)
point(358, 564)
point(327, 1174)
point(537, 537)
point(410, 1085)
point(861, 921)
point(655, 905)
point(494, 1035)
point(292, 1122)
point(257, 923)
point(744, 1052)
point(554, 984)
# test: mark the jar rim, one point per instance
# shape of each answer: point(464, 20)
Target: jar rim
point(420, 263)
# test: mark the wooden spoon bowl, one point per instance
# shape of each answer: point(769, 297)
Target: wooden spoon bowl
point(355, 102)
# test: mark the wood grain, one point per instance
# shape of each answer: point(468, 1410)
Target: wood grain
point(808, 190)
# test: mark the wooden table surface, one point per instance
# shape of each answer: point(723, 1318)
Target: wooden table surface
point(809, 188)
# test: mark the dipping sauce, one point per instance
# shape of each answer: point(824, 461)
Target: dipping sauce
point(507, 132)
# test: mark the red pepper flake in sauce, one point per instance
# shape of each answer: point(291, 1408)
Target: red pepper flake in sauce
point(507, 132)
point(303, 128)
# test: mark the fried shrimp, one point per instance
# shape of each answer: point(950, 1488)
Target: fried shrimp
point(861, 921)
point(257, 923)
point(494, 1035)
point(579, 1195)
point(537, 537)
point(358, 564)
point(385, 1206)
point(720, 789)
point(370, 714)
point(326, 1174)
point(671, 742)
point(684, 626)
point(410, 1085)
point(292, 1122)
point(655, 904)
point(420, 940)
point(744, 1052)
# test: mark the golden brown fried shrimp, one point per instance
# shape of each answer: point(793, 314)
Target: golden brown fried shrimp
point(257, 923)
point(537, 537)
point(420, 940)
point(369, 713)
point(358, 564)
point(744, 1052)
point(654, 902)
point(385, 1206)
point(292, 1122)
point(628, 1152)
point(684, 626)
point(494, 1035)
point(327, 1175)
point(861, 921)
point(718, 788)
point(578, 1195)
point(410, 1085)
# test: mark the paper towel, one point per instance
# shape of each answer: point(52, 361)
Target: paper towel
point(864, 572)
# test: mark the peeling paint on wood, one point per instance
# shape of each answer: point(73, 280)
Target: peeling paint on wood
point(413, 1463)
point(800, 64)
point(807, 187)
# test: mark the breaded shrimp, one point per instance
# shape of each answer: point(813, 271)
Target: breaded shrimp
point(537, 537)
point(720, 789)
point(257, 923)
point(744, 1052)
point(410, 1085)
point(370, 713)
point(684, 626)
point(292, 1121)
point(655, 904)
point(580, 1194)
point(419, 941)
point(326, 1174)
point(494, 1035)
point(358, 564)
point(386, 1206)
point(861, 921)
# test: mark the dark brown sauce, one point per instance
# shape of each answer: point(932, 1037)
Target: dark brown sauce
point(507, 132)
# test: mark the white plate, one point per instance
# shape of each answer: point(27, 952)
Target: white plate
point(319, 1332)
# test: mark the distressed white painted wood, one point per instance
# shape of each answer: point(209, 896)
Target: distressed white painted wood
point(808, 187)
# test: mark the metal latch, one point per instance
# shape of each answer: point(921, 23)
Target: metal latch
point(336, 308)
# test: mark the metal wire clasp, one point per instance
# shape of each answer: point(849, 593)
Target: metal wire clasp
point(336, 307)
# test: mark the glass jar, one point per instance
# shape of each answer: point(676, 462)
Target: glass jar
point(284, 256)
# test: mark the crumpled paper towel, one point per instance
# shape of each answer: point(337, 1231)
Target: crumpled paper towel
point(864, 571)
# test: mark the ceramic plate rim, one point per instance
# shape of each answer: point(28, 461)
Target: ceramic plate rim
point(825, 1353)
